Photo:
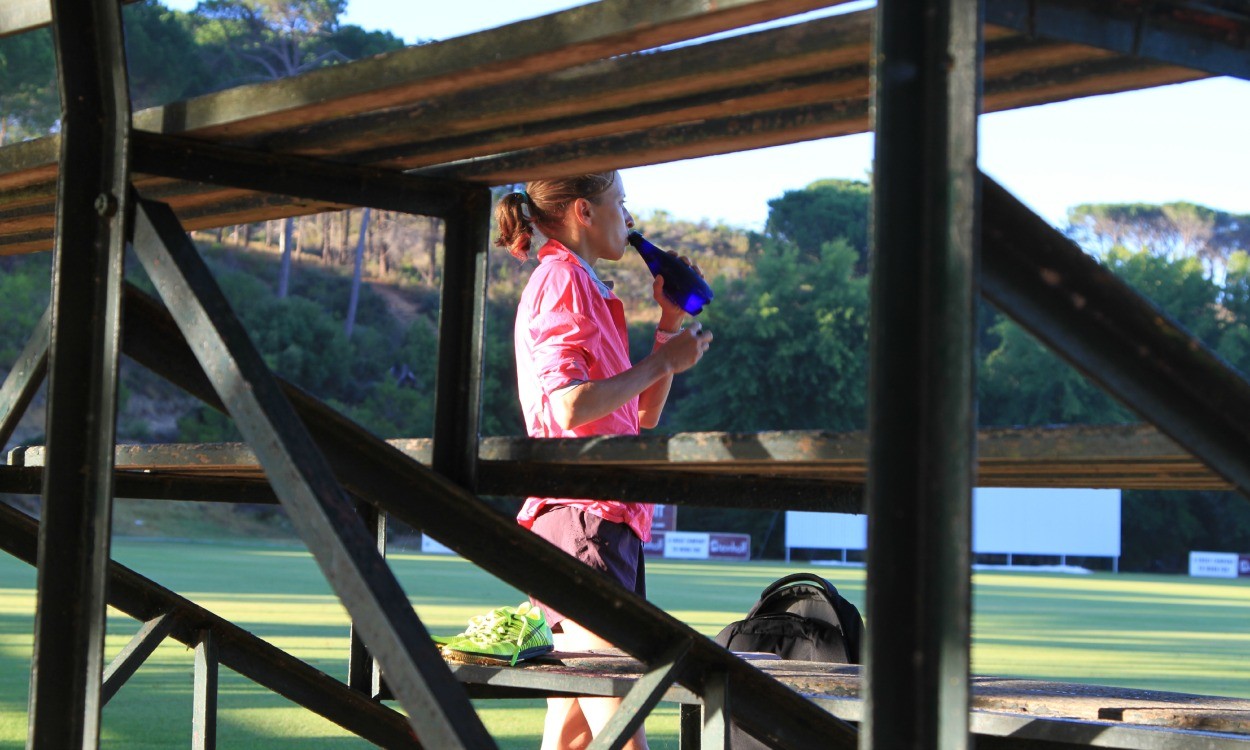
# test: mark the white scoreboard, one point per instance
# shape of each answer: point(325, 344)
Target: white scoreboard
point(1080, 522)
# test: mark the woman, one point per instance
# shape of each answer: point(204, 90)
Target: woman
point(575, 379)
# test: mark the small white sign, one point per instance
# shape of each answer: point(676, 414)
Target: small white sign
point(1213, 564)
point(686, 545)
point(431, 547)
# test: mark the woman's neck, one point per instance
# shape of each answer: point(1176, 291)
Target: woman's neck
point(574, 244)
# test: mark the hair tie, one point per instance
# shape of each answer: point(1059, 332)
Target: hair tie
point(525, 205)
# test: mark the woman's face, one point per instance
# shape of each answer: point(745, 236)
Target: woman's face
point(611, 223)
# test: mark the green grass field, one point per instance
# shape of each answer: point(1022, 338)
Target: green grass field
point(1155, 632)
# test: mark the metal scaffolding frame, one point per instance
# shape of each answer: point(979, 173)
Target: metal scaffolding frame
point(941, 232)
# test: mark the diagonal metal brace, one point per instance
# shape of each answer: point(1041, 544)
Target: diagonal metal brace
point(150, 635)
point(642, 697)
point(321, 512)
point(25, 377)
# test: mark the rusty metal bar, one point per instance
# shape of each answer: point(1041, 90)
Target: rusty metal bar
point(24, 379)
point(922, 413)
point(319, 509)
point(379, 473)
point(141, 646)
point(643, 696)
point(88, 256)
point(1117, 337)
point(204, 701)
point(255, 659)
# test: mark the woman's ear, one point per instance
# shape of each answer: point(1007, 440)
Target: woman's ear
point(583, 211)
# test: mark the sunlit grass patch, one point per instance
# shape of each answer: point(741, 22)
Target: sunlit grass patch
point(1149, 632)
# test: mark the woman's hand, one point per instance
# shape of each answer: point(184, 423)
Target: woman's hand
point(684, 350)
point(671, 314)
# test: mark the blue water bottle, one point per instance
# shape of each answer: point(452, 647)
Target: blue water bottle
point(682, 285)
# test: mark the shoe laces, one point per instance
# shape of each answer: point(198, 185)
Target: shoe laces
point(496, 627)
point(484, 626)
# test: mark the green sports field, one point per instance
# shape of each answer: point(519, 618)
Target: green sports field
point(1158, 632)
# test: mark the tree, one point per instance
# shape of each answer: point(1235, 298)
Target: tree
point(822, 212)
point(1172, 230)
point(260, 40)
point(29, 103)
point(800, 322)
point(350, 322)
point(161, 59)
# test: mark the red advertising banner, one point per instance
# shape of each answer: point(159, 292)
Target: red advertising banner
point(729, 547)
point(665, 518)
point(655, 547)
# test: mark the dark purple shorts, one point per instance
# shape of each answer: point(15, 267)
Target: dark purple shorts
point(610, 548)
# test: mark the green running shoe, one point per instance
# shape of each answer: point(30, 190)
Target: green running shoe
point(477, 624)
point(510, 636)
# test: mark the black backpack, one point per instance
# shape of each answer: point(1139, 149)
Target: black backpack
point(801, 617)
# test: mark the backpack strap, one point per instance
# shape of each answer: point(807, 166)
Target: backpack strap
point(793, 578)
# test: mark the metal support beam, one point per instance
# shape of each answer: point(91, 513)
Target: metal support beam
point(461, 337)
point(319, 509)
point(642, 697)
point(24, 379)
point(1097, 322)
point(690, 726)
point(717, 731)
point(301, 176)
point(92, 207)
point(204, 706)
point(1181, 32)
point(141, 646)
point(921, 416)
point(255, 659)
point(692, 488)
point(379, 473)
point(362, 669)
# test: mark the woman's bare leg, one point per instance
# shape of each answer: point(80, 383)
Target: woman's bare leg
point(595, 712)
point(565, 728)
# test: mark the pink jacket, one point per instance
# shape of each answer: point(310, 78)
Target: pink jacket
point(567, 331)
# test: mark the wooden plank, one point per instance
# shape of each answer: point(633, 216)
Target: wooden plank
point(494, 56)
point(611, 673)
point(620, 82)
point(17, 16)
point(1117, 456)
point(793, 84)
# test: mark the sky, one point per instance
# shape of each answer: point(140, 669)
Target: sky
point(1186, 142)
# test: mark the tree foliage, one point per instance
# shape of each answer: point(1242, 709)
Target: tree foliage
point(173, 55)
point(162, 62)
point(822, 212)
point(29, 99)
point(1172, 230)
point(790, 348)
